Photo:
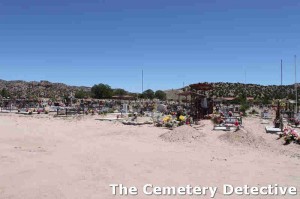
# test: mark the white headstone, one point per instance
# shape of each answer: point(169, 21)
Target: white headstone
point(125, 108)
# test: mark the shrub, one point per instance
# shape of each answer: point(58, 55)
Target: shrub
point(253, 111)
point(244, 107)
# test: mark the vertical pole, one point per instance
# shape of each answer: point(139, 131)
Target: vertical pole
point(281, 72)
point(245, 76)
point(246, 84)
point(296, 86)
point(142, 81)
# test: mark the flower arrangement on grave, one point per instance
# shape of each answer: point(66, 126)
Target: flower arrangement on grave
point(169, 124)
point(189, 120)
point(290, 135)
point(173, 113)
point(182, 118)
point(167, 118)
point(167, 121)
point(159, 124)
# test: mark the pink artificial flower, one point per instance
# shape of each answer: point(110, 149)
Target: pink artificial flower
point(294, 133)
point(236, 123)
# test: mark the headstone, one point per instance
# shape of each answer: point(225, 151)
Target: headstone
point(204, 103)
point(125, 108)
point(161, 108)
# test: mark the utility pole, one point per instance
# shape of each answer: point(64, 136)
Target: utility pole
point(142, 81)
point(281, 72)
point(246, 83)
point(296, 85)
point(245, 76)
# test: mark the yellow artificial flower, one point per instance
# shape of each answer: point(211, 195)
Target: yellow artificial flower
point(181, 118)
point(167, 118)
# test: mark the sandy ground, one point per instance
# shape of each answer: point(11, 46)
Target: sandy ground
point(46, 157)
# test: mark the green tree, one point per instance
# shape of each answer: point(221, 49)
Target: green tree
point(148, 94)
point(4, 93)
point(141, 95)
point(244, 107)
point(80, 94)
point(135, 95)
point(291, 96)
point(102, 91)
point(66, 99)
point(120, 92)
point(161, 95)
point(266, 100)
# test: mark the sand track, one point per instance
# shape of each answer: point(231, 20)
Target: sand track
point(48, 158)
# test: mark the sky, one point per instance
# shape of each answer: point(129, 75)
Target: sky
point(175, 42)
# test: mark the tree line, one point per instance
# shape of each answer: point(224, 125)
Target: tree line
point(104, 91)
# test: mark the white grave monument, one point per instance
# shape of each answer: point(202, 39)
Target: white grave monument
point(125, 108)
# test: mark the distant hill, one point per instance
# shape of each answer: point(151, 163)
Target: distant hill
point(43, 89)
point(46, 89)
point(226, 89)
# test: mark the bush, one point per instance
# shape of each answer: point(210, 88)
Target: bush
point(161, 95)
point(101, 91)
point(148, 94)
point(102, 113)
point(110, 110)
point(253, 111)
point(244, 107)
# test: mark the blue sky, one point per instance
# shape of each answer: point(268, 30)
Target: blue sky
point(110, 41)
